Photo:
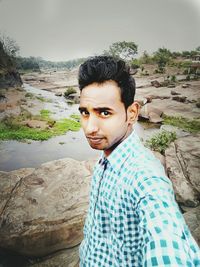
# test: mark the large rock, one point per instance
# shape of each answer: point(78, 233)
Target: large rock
point(156, 83)
point(192, 218)
point(9, 182)
point(181, 99)
point(64, 258)
point(44, 211)
point(183, 168)
point(148, 112)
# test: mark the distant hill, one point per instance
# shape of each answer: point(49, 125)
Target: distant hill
point(9, 76)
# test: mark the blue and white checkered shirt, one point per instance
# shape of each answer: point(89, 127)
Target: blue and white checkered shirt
point(133, 219)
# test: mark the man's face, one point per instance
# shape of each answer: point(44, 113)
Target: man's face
point(103, 116)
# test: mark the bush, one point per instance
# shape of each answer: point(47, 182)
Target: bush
point(173, 78)
point(161, 141)
point(188, 78)
point(69, 91)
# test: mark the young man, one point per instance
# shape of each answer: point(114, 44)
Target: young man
point(133, 218)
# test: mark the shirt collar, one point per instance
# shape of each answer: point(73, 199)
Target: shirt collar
point(121, 152)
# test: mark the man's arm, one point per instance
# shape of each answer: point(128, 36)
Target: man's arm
point(167, 240)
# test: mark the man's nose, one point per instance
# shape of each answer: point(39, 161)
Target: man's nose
point(92, 125)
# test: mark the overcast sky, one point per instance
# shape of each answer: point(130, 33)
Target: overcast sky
point(66, 29)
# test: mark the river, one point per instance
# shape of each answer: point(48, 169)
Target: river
point(15, 155)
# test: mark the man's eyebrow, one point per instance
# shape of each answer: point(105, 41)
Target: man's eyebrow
point(82, 108)
point(99, 109)
point(103, 109)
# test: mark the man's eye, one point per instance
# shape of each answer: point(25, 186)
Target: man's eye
point(84, 113)
point(105, 113)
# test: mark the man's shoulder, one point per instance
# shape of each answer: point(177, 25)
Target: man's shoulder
point(145, 173)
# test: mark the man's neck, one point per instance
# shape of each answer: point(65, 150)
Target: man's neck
point(109, 151)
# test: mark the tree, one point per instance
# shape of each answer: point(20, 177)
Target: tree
point(10, 46)
point(162, 56)
point(198, 49)
point(124, 50)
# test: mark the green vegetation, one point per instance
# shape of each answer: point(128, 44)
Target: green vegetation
point(173, 78)
point(45, 114)
point(192, 126)
point(12, 128)
point(76, 117)
point(42, 99)
point(162, 57)
point(69, 91)
point(65, 125)
point(161, 141)
point(30, 95)
point(124, 50)
point(37, 63)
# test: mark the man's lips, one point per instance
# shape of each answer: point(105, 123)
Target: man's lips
point(95, 139)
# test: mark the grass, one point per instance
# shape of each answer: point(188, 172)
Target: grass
point(161, 141)
point(76, 117)
point(45, 114)
point(23, 133)
point(11, 128)
point(192, 126)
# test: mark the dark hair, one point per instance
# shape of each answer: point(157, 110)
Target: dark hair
point(104, 68)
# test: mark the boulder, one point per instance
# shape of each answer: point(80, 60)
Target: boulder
point(186, 85)
point(181, 99)
point(58, 94)
point(44, 211)
point(192, 219)
point(170, 128)
point(174, 93)
point(148, 112)
point(155, 83)
point(64, 258)
point(183, 168)
point(74, 97)
point(36, 124)
point(154, 117)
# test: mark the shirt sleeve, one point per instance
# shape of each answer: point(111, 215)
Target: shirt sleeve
point(167, 240)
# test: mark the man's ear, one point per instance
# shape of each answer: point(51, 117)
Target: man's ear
point(132, 112)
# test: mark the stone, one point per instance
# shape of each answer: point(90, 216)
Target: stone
point(155, 83)
point(36, 124)
point(183, 168)
point(58, 94)
point(174, 93)
point(149, 112)
point(192, 219)
point(181, 99)
point(154, 117)
point(45, 211)
point(185, 85)
point(170, 128)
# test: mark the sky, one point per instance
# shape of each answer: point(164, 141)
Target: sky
point(60, 30)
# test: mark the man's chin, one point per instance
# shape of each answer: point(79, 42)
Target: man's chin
point(96, 146)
